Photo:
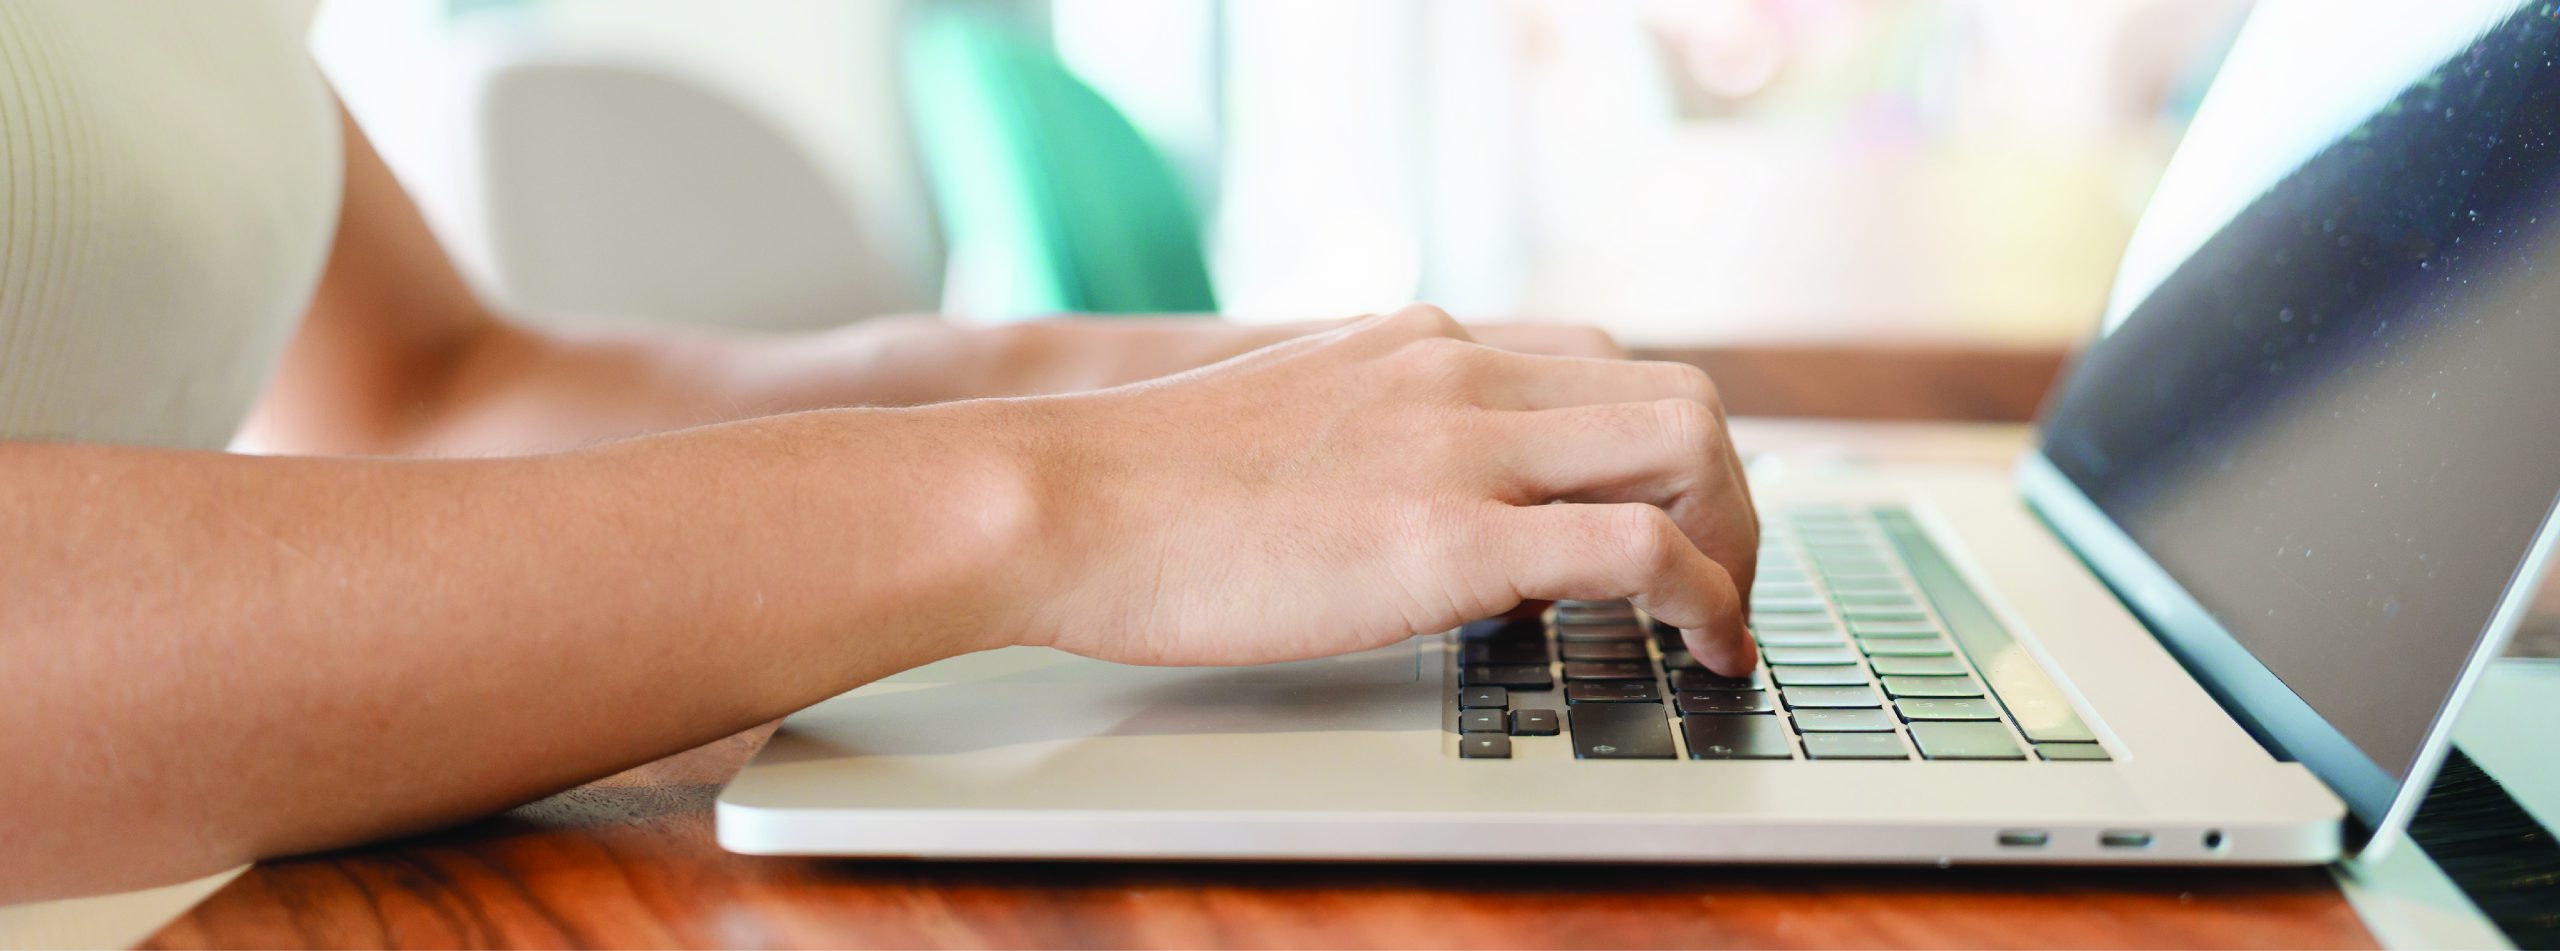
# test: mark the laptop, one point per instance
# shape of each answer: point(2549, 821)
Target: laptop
point(2278, 517)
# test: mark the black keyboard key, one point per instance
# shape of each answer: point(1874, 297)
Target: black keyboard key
point(1836, 569)
point(1772, 607)
point(1736, 738)
point(1826, 676)
point(1483, 698)
point(1605, 650)
point(1624, 619)
point(1608, 670)
point(1832, 697)
point(1932, 687)
point(1679, 660)
point(1514, 676)
point(1943, 740)
point(1596, 608)
point(1810, 655)
point(1906, 647)
point(1876, 599)
point(1484, 746)
point(2043, 723)
point(1504, 629)
point(1853, 544)
point(1601, 691)
point(2073, 752)
point(1702, 679)
point(1620, 731)
point(1795, 622)
point(1621, 606)
point(1842, 563)
point(1868, 584)
point(1504, 652)
point(1722, 702)
point(1536, 723)
point(1854, 746)
point(1810, 720)
point(1836, 575)
point(1840, 540)
point(1483, 721)
point(1575, 605)
point(1608, 632)
point(1897, 666)
point(1947, 709)
point(1830, 638)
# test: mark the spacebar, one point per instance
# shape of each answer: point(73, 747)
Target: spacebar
point(1621, 731)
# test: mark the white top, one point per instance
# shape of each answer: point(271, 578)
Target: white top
point(169, 174)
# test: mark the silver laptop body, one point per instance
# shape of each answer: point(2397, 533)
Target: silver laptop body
point(2112, 654)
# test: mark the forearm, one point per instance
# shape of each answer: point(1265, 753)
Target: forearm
point(214, 658)
point(510, 389)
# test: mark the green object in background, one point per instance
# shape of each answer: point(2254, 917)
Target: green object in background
point(1032, 167)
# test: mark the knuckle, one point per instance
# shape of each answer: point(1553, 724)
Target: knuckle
point(1692, 383)
point(1441, 360)
point(1645, 541)
point(1595, 342)
point(1441, 350)
point(1687, 426)
point(1427, 320)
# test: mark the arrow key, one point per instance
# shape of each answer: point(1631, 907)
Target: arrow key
point(1736, 738)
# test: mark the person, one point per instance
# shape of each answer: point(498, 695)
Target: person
point(471, 563)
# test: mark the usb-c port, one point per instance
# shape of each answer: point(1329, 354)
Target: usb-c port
point(2024, 838)
point(2123, 839)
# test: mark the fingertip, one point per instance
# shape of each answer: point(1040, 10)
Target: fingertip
point(1726, 656)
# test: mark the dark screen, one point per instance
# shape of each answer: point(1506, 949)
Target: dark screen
point(2337, 423)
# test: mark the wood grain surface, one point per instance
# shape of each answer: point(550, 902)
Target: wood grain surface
point(629, 861)
point(1878, 381)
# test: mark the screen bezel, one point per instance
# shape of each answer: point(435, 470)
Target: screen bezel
point(2378, 805)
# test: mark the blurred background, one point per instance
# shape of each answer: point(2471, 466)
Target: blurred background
point(1682, 172)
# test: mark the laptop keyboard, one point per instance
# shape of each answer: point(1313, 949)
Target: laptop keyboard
point(1872, 648)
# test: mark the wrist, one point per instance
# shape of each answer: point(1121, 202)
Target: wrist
point(1018, 495)
point(954, 514)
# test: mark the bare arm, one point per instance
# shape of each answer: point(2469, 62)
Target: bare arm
point(217, 657)
point(398, 356)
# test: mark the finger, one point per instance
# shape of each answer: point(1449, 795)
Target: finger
point(1672, 454)
point(1525, 381)
point(1599, 552)
point(1557, 340)
point(1402, 326)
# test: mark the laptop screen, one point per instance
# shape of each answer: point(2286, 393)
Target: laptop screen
point(2327, 403)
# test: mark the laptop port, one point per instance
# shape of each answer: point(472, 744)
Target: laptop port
point(2125, 839)
point(2024, 838)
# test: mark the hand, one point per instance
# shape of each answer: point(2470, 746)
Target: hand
point(1082, 353)
point(1350, 488)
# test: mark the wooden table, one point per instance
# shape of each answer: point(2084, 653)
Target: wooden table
point(630, 861)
